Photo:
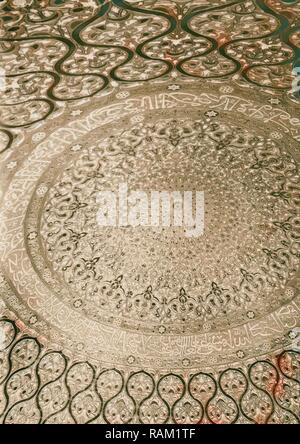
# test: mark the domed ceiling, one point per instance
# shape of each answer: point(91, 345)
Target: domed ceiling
point(144, 324)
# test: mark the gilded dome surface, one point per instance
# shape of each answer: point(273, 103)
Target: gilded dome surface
point(145, 323)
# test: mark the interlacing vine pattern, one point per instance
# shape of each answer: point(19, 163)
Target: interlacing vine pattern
point(132, 325)
point(57, 51)
point(41, 386)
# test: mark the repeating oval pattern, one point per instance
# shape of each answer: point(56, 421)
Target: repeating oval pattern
point(42, 386)
point(55, 52)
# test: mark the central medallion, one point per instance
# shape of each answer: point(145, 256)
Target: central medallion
point(156, 277)
point(112, 292)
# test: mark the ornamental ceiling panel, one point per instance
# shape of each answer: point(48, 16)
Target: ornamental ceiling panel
point(144, 321)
